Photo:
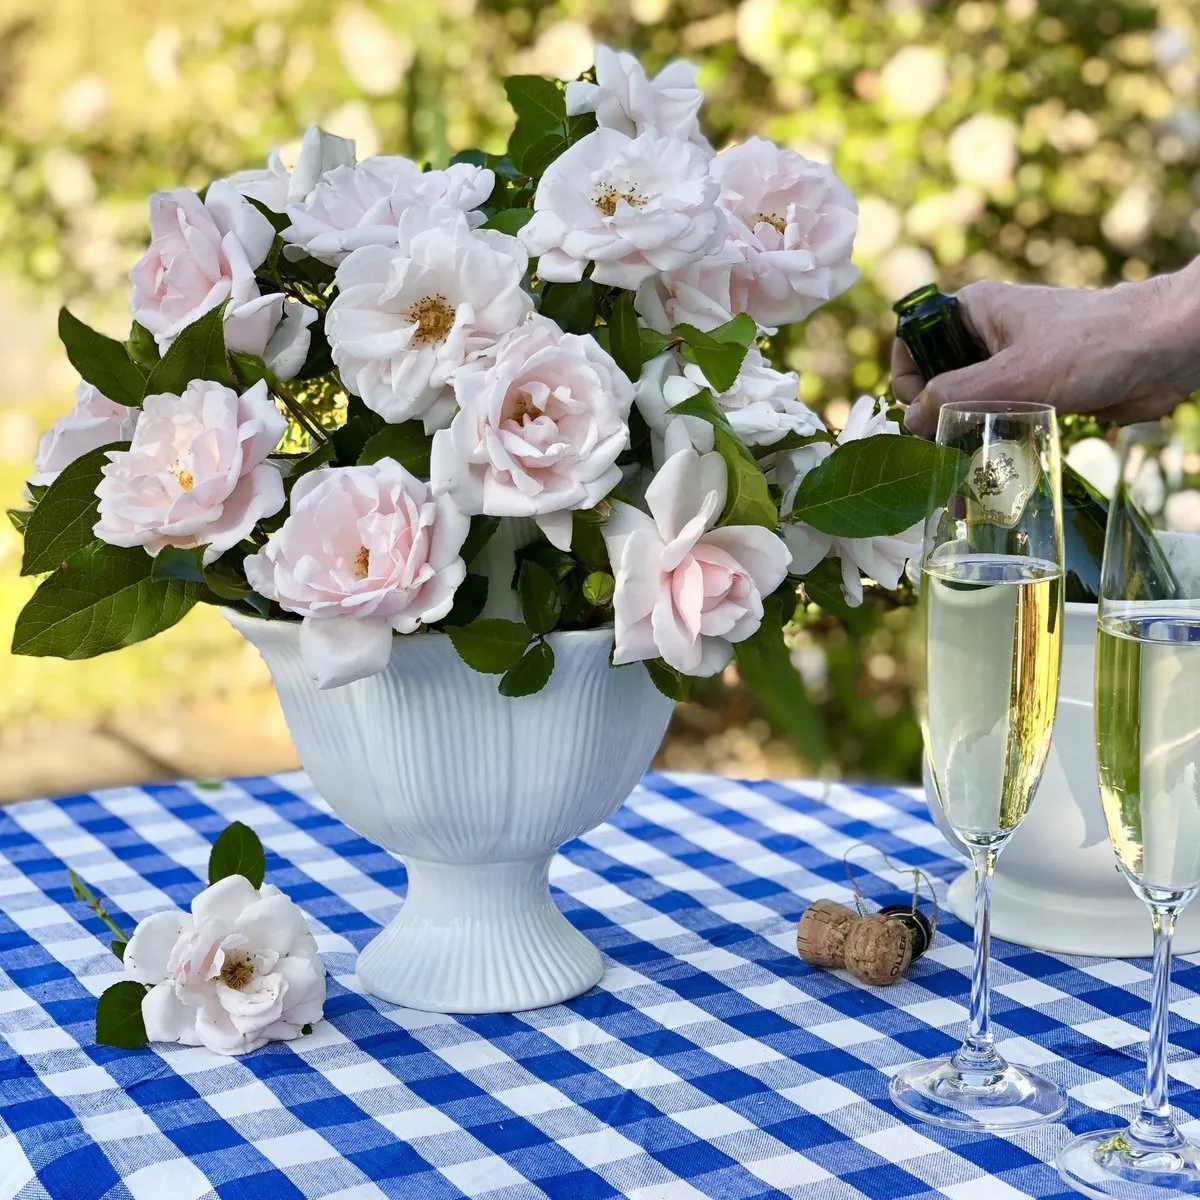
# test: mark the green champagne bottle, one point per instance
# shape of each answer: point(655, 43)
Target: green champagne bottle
point(932, 328)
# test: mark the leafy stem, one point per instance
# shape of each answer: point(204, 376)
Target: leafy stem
point(81, 891)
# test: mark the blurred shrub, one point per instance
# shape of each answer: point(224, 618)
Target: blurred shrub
point(1038, 140)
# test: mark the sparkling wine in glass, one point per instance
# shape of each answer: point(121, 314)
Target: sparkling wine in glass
point(1147, 714)
point(992, 601)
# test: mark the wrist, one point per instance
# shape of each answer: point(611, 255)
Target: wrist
point(1169, 310)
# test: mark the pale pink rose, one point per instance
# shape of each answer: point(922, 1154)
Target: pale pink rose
point(761, 406)
point(694, 295)
point(408, 316)
point(625, 99)
point(203, 254)
point(364, 552)
point(879, 558)
point(277, 187)
point(793, 221)
point(240, 970)
point(362, 205)
point(539, 427)
point(196, 472)
point(686, 591)
point(95, 421)
point(635, 207)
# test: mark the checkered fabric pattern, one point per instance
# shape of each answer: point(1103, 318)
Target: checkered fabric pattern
point(710, 1063)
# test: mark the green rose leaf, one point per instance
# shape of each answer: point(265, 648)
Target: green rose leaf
point(197, 353)
point(118, 947)
point(587, 538)
point(100, 599)
point(490, 646)
point(765, 665)
point(531, 673)
point(541, 108)
point(360, 426)
point(878, 486)
point(823, 586)
point(173, 563)
point(279, 221)
point(793, 441)
point(557, 562)
point(720, 352)
point(672, 683)
point(704, 406)
point(237, 851)
point(572, 306)
point(63, 520)
point(101, 361)
point(625, 337)
point(748, 499)
point(478, 536)
point(407, 443)
point(225, 577)
point(469, 601)
point(141, 347)
point(510, 220)
point(538, 594)
point(19, 518)
point(543, 129)
point(119, 1016)
point(598, 588)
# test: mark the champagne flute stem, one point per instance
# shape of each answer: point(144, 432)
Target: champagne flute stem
point(1153, 1124)
point(979, 1050)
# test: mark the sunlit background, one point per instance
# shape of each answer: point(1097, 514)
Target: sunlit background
point(1052, 141)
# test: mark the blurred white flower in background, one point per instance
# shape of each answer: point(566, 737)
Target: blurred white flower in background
point(956, 208)
point(879, 226)
point(913, 81)
point(1097, 462)
point(1130, 218)
point(983, 150)
point(375, 57)
point(902, 269)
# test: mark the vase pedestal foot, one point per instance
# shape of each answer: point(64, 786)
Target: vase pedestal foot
point(479, 938)
point(1063, 923)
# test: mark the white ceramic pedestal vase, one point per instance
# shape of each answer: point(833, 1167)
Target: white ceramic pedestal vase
point(1057, 886)
point(476, 792)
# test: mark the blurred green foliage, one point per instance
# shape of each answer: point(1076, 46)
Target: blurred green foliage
point(1039, 140)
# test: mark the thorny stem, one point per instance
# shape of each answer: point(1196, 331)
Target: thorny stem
point(81, 891)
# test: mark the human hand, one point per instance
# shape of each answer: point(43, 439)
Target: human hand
point(1123, 354)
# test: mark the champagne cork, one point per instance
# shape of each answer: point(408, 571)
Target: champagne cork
point(878, 949)
point(821, 937)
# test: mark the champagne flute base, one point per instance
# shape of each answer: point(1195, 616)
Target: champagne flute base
point(1114, 1162)
point(999, 1098)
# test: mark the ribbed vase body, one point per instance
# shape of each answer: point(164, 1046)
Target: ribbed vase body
point(475, 792)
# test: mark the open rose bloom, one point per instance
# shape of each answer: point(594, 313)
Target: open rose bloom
point(382, 399)
point(240, 970)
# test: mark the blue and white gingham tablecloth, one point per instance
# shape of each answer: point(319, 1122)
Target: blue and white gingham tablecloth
point(710, 1062)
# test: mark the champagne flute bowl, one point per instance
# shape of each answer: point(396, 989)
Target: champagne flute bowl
point(992, 599)
point(1147, 717)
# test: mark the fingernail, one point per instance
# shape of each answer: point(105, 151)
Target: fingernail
point(914, 414)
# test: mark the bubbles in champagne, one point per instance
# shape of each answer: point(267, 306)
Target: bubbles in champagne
point(993, 626)
point(1147, 715)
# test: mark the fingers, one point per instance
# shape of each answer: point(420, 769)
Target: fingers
point(907, 381)
point(982, 307)
point(1001, 378)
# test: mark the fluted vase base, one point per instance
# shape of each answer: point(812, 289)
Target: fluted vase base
point(476, 939)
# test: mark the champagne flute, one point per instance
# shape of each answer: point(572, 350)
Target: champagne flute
point(1147, 714)
point(992, 596)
